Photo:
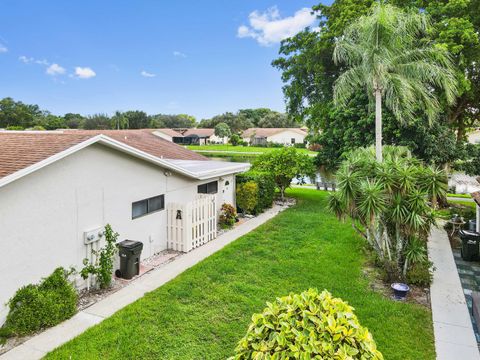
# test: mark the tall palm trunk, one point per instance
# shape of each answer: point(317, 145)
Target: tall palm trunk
point(378, 124)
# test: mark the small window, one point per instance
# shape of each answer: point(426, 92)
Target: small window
point(147, 206)
point(208, 188)
point(292, 140)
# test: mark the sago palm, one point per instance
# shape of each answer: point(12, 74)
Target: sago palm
point(386, 54)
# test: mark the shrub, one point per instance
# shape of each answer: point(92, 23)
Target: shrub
point(235, 139)
point(275, 145)
point(300, 145)
point(247, 196)
point(38, 306)
point(420, 274)
point(14, 127)
point(306, 326)
point(102, 269)
point(228, 216)
point(266, 188)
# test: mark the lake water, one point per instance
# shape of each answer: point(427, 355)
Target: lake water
point(320, 176)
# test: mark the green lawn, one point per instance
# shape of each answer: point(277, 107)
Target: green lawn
point(465, 196)
point(202, 313)
point(243, 149)
point(470, 204)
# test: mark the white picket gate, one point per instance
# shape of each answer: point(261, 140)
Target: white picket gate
point(192, 224)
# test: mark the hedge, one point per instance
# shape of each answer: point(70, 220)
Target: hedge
point(266, 188)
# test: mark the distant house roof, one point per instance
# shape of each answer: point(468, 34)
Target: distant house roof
point(266, 132)
point(199, 132)
point(24, 152)
point(169, 132)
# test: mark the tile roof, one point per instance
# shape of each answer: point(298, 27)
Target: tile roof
point(266, 132)
point(199, 132)
point(169, 132)
point(19, 150)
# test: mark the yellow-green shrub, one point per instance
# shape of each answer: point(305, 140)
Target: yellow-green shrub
point(247, 196)
point(306, 326)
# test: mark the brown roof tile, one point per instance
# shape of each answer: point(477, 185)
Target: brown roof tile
point(199, 132)
point(19, 150)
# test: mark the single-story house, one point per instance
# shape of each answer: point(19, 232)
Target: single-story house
point(59, 187)
point(199, 137)
point(285, 136)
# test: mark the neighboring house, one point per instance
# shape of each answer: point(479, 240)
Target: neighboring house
point(167, 134)
point(200, 137)
point(474, 137)
point(57, 186)
point(285, 136)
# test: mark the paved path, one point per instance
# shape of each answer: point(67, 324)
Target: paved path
point(454, 336)
point(40, 345)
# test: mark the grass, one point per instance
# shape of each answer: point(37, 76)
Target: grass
point(202, 313)
point(468, 204)
point(243, 149)
point(465, 196)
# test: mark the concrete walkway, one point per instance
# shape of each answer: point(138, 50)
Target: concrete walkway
point(40, 345)
point(454, 336)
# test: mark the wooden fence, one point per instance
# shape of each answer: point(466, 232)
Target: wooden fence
point(192, 224)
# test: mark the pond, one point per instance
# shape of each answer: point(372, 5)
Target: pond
point(321, 174)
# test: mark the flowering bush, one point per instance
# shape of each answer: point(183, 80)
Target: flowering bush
point(228, 216)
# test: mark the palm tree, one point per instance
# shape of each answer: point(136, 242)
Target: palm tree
point(387, 54)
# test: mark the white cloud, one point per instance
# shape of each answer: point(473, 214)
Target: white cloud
point(42, 62)
point(179, 54)
point(84, 72)
point(55, 69)
point(24, 59)
point(147, 74)
point(30, 60)
point(269, 28)
point(3, 48)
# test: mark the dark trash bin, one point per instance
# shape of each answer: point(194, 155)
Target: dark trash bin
point(470, 245)
point(129, 252)
point(472, 225)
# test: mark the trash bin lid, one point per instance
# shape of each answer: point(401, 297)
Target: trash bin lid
point(468, 234)
point(129, 244)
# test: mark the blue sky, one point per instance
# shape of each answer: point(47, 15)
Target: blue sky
point(196, 57)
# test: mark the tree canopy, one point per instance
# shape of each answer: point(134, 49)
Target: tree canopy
point(308, 70)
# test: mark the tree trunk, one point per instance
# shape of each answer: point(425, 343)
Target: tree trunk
point(378, 125)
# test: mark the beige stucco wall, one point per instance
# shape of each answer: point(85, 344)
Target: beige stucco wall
point(214, 139)
point(474, 137)
point(285, 137)
point(43, 215)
